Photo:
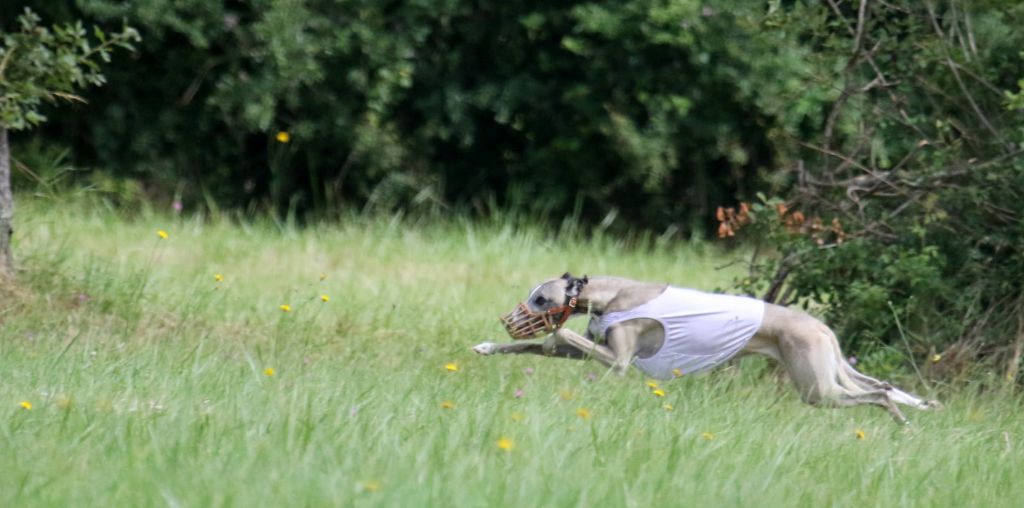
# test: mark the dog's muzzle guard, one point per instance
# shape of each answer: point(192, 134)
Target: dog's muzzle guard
point(523, 323)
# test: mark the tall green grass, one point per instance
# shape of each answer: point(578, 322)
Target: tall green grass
point(148, 381)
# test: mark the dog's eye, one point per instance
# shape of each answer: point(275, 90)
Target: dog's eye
point(539, 300)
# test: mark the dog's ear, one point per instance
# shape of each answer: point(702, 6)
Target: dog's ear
point(585, 280)
point(575, 286)
point(567, 276)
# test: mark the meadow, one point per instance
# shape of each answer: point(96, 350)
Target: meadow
point(231, 362)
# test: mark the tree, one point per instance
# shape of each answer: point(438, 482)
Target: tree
point(37, 65)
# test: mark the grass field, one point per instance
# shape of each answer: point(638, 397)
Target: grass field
point(153, 384)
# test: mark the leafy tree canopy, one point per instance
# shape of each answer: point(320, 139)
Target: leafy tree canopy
point(39, 64)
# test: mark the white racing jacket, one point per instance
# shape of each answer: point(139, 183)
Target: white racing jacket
point(702, 330)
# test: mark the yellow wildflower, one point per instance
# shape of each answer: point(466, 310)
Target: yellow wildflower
point(26, 405)
point(859, 434)
point(505, 444)
point(677, 373)
point(269, 372)
point(668, 407)
point(285, 307)
point(936, 358)
point(323, 276)
point(658, 392)
point(218, 277)
point(451, 367)
point(565, 394)
point(325, 298)
point(652, 385)
point(707, 435)
point(371, 486)
point(447, 405)
point(583, 413)
point(283, 137)
point(162, 234)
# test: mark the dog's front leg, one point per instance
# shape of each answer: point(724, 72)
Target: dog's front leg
point(520, 348)
point(622, 340)
point(491, 348)
point(602, 353)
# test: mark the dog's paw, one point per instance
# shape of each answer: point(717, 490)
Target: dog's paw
point(485, 348)
point(932, 404)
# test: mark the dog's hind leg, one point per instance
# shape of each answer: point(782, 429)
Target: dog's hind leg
point(878, 398)
point(809, 356)
point(861, 379)
point(849, 375)
point(897, 395)
point(809, 363)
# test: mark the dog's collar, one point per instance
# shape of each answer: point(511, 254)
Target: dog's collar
point(578, 306)
point(570, 301)
point(575, 285)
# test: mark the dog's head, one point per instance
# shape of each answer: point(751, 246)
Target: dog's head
point(546, 309)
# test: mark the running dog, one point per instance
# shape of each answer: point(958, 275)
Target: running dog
point(667, 331)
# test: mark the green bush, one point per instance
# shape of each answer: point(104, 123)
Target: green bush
point(648, 111)
point(903, 212)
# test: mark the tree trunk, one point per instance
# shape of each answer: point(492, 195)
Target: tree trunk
point(6, 209)
point(1013, 368)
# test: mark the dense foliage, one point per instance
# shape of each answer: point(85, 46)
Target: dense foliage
point(646, 110)
point(40, 64)
point(903, 213)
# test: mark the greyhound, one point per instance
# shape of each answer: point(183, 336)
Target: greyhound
point(667, 332)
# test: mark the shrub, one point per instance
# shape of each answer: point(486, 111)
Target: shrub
point(646, 111)
point(902, 213)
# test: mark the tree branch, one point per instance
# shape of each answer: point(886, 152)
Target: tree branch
point(960, 82)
